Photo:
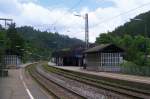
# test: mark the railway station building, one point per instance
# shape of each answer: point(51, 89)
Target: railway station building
point(69, 57)
point(104, 57)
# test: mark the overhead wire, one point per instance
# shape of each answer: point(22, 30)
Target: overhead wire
point(77, 4)
point(105, 20)
point(123, 13)
point(54, 23)
point(101, 1)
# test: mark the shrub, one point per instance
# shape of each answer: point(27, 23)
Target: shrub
point(131, 68)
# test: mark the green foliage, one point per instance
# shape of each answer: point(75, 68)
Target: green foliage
point(132, 68)
point(33, 44)
point(2, 46)
point(133, 37)
point(134, 27)
point(48, 39)
point(41, 44)
point(15, 41)
point(134, 46)
point(104, 38)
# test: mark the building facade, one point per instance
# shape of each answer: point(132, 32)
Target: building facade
point(105, 57)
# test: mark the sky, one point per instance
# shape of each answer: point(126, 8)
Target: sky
point(59, 15)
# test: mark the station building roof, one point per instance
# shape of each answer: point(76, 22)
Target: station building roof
point(104, 48)
point(68, 53)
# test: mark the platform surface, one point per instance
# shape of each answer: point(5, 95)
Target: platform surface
point(134, 78)
point(20, 86)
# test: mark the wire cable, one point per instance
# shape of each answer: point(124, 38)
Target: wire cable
point(124, 13)
point(77, 4)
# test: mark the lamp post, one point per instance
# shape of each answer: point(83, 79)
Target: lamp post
point(145, 34)
point(86, 29)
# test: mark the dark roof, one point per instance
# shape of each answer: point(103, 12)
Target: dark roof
point(11, 52)
point(102, 47)
point(68, 52)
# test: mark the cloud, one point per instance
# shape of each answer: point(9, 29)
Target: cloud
point(28, 12)
point(10, 7)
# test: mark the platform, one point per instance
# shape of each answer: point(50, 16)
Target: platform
point(133, 78)
point(20, 86)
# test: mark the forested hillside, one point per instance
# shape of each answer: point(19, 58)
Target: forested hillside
point(133, 36)
point(30, 44)
point(41, 44)
point(47, 40)
point(136, 26)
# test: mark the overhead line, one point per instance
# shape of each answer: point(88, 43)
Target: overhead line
point(102, 1)
point(53, 24)
point(68, 11)
point(111, 18)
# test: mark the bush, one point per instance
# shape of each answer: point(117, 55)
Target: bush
point(131, 68)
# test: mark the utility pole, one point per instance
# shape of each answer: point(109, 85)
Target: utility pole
point(5, 20)
point(86, 31)
point(86, 34)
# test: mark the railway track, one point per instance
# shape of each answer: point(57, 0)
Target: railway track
point(61, 92)
point(131, 91)
point(58, 91)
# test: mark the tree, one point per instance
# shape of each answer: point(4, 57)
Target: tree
point(43, 43)
point(2, 46)
point(127, 41)
point(140, 43)
point(104, 39)
point(15, 41)
point(134, 45)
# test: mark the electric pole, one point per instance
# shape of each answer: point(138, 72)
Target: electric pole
point(86, 31)
point(5, 20)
